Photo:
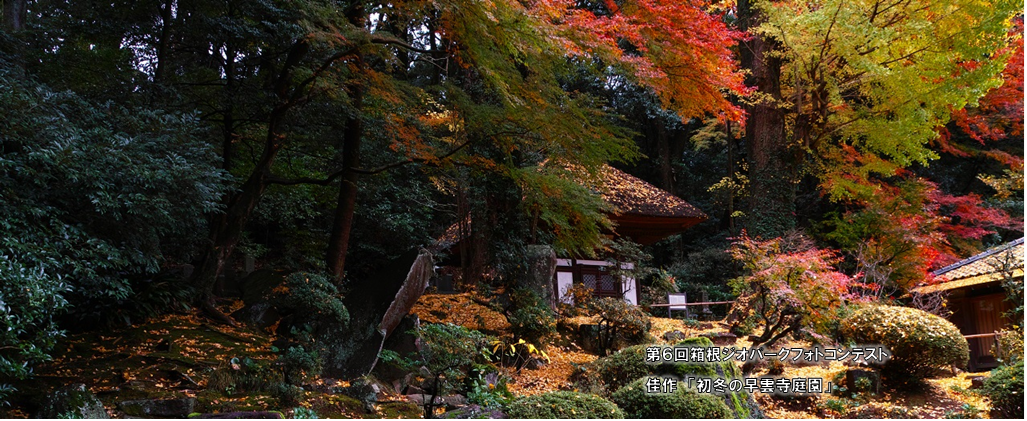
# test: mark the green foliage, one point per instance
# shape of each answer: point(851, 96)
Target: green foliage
point(966, 411)
point(303, 413)
point(29, 300)
point(1005, 388)
point(516, 354)
point(710, 266)
point(920, 343)
point(242, 375)
point(620, 323)
point(490, 391)
point(870, 84)
point(314, 297)
point(531, 318)
point(448, 352)
point(683, 403)
point(287, 394)
point(299, 365)
point(1006, 266)
point(90, 199)
point(1009, 348)
point(563, 405)
point(611, 372)
point(315, 304)
point(97, 188)
point(448, 347)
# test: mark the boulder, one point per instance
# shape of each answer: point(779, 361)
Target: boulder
point(367, 390)
point(534, 363)
point(474, 412)
point(257, 286)
point(853, 381)
point(674, 336)
point(261, 315)
point(450, 401)
point(722, 338)
point(74, 401)
point(977, 382)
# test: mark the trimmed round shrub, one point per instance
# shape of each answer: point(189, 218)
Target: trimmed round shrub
point(683, 403)
point(919, 342)
point(621, 367)
point(563, 405)
point(1005, 389)
point(620, 323)
point(609, 374)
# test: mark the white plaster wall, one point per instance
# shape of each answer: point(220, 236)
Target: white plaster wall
point(564, 282)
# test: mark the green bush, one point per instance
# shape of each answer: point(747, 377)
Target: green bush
point(1005, 389)
point(1009, 348)
point(620, 323)
point(448, 352)
point(616, 370)
point(531, 319)
point(489, 390)
point(91, 197)
point(609, 374)
point(28, 301)
point(563, 405)
point(314, 297)
point(919, 342)
point(683, 403)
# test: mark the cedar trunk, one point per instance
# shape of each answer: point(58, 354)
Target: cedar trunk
point(772, 171)
point(338, 243)
point(14, 14)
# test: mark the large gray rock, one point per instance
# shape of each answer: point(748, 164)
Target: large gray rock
point(74, 401)
point(854, 380)
point(163, 408)
point(367, 390)
point(450, 402)
point(674, 336)
point(722, 338)
point(474, 412)
point(541, 267)
point(261, 315)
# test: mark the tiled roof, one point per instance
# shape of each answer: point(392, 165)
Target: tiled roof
point(629, 195)
point(979, 269)
point(632, 195)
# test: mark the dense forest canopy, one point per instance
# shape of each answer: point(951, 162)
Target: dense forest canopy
point(150, 148)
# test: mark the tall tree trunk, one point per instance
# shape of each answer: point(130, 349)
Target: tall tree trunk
point(663, 148)
point(227, 228)
point(338, 243)
point(15, 12)
point(228, 134)
point(731, 175)
point(162, 44)
point(771, 172)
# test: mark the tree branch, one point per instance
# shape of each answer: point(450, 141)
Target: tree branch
point(272, 179)
point(398, 43)
point(410, 161)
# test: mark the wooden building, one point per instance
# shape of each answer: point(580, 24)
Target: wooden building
point(642, 212)
point(977, 299)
